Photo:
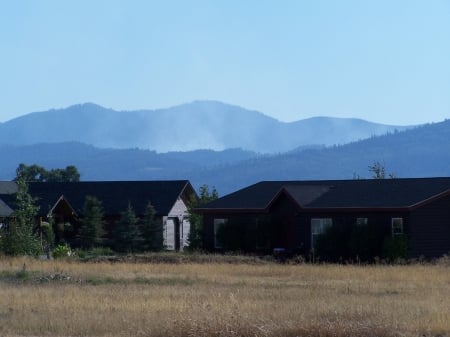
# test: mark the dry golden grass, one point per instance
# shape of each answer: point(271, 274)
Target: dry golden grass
point(68, 298)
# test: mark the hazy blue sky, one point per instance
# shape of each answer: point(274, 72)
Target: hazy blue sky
point(384, 61)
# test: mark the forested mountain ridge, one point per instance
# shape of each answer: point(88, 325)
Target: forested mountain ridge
point(187, 127)
point(420, 152)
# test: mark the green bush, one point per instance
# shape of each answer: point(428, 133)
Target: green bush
point(62, 251)
point(101, 251)
point(395, 248)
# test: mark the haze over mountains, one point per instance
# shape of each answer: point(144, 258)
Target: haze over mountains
point(417, 152)
point(198, 125)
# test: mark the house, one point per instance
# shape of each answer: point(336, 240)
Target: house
point(63, 201)
point(295, 215)
point(6, 188)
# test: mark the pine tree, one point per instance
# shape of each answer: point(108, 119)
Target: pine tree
point(196, 220)
point(127, 235)
point(18, 236)
point(152, 230)
point(91, 231)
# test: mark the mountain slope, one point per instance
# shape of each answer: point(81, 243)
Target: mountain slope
point(115, 164)
point(420, 152)
point(198, 125)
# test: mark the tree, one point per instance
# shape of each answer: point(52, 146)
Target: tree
point(379, 171)
point(38, 173)
point(30, 173)
point(152, 230)
point(18, 236)
point(91, 231)
point(47, 235)
point(195, 238)
point(127, 235)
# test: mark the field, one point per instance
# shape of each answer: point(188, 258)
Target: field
point(73, 298)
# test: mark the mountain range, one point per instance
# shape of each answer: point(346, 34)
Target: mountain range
point(188, 127)
point(421, 151)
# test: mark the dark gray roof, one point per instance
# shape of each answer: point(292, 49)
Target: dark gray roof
point(373, 193)
point(5, 210)
point(114, 195)
point(8, 187)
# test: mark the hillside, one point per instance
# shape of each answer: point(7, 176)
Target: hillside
point(198, 125)
point(420, 152)
point(116, 164)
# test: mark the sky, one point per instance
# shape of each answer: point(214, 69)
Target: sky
point(384, 61)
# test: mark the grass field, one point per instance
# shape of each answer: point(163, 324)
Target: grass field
point(72, 298)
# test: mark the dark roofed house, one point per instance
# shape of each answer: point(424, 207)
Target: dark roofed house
point(64, 202)
point(293, 215)
point(7, 191)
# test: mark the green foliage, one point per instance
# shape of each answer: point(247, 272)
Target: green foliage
point(351, 242)
point(333, 244)
point(101, 251)
point(195, 238)
point(246, 235)
point(232, 236)
point(91, 231)
point(62, 251)
point(152, 231)
point(47, 235)
point(395, 248)
point(18, 236)
point(379, 171)
point(23, 274)
point(38, 173)
point(127, 236)
point(360, 242)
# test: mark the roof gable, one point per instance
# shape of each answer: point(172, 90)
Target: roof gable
point(114, 195)
point(5, 210)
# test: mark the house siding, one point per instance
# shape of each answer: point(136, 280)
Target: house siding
point(429, 232)
point(285, 215)
point(176, 227)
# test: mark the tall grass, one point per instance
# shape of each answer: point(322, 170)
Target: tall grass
point(69, 298)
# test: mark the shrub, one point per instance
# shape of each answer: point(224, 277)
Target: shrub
point(61, 251)
point(101, 251)
point(395, 248)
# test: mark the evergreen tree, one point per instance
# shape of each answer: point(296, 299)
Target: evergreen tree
point(152, 231)
point(196, 220)
point(18, 236)
point(91, 231)
point(127, 235)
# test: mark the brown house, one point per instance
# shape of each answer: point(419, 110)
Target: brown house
point(294, 215)
point(63, 201)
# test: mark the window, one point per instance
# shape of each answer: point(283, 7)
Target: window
point(218, 223)
point(318, 227)
point(362, 221)
point(397, 226)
